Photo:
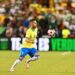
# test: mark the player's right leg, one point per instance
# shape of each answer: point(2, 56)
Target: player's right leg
point(34, 56)
point(23, 53)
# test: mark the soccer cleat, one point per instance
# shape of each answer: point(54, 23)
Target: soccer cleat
point(11, 70)
point(27, 65)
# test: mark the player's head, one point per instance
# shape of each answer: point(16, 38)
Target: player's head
point(33, 23)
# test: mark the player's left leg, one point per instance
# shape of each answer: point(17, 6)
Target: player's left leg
point(34, 56)
point(16, 63)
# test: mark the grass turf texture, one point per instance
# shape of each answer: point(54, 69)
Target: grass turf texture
point(50, 63)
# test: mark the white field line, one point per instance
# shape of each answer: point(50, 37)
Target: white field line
point(65, 53)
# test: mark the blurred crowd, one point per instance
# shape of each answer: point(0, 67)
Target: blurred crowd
point(56, 20)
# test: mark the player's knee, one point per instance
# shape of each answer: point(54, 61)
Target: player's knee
point(38, 56)
point(21, 58)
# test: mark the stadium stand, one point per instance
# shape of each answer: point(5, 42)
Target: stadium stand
point(15, 16)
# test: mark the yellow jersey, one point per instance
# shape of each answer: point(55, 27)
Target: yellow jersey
point(31, 34)
point(65, 33)
point(2, 17)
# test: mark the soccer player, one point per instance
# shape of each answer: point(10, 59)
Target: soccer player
point(28, 46)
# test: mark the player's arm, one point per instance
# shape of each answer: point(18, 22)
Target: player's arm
point(28, 37)
point(29, 40)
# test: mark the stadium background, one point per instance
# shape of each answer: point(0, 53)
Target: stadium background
point(57, 15)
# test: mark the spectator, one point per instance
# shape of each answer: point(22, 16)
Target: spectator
point(65, 32)
point(9, 32)
point(52, 22)
point(43, 23)
point(15, 16)
point(72, 29)
point(2, 18)
point(21, 31)
point(25, 22)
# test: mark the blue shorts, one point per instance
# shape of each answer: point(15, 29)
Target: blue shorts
point(30, 51)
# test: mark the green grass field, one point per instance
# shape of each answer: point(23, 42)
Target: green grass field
point(50, 63)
